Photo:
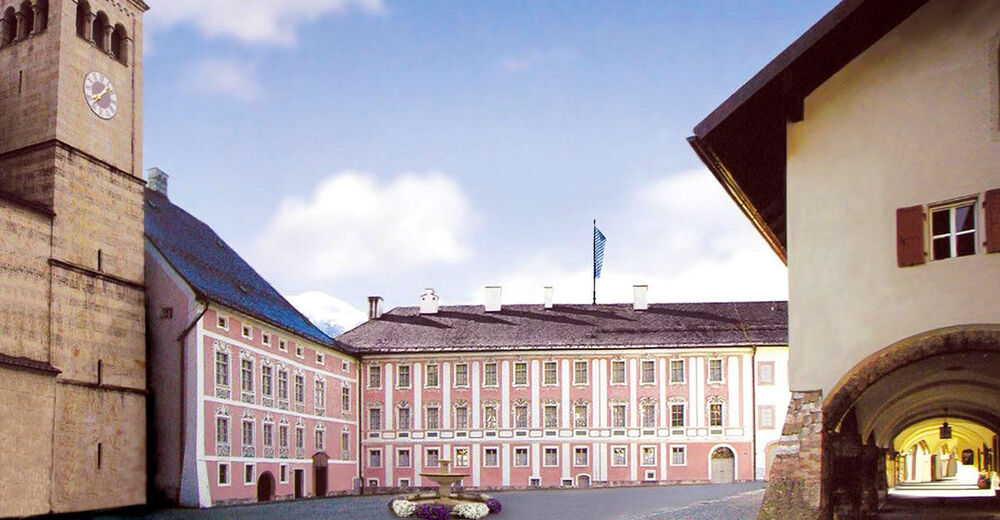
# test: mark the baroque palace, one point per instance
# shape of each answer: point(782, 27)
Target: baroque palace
point(143, 360)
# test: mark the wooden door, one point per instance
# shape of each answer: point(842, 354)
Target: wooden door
point(723, 466)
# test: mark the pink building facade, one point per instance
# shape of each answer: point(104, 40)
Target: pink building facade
point(538, 396)
point(250, 401)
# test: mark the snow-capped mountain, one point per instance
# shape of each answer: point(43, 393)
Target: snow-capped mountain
point(330, 314)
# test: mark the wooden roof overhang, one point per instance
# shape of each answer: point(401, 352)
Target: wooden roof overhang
point(743, 141)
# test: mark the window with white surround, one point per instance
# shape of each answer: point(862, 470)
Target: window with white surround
point(648, 371)
point(581, 456)
point(461, 374)
point(283, 473)
point(715, 370)
point(953, 230)
point(268, 434)
point(345, 444)
point(648, 454)
point(766, 417)
point(223, 473)
point(320, 395)
point(715, 417)
point(403, 419)
point(678, 455)
point(222, 430)
point(266, 381)
point(246, 375)
point(431, 418)
point(551, 456)
point(404, 482)
point(490, 416)
point(580, 375)
point(619, 456)
point(490, 374)
point(282, 345)
point(431, 377)
point(299, 351)
point(247, 433)
point(222, 322)
point(580, 415)
point(618, 372)
point(265, 338)
point(550, 373)
point(283, 385)
point(461, 417)
point(374, 458)
point(432, 456)
point(300, 436)
point(374, 376)
point(375, 419)
point(520, 373)
point(345, 401)
point(520, 457)
point(221, 368)
point(403, 379)
point(491, 457)
point(462, 457)
point(282, 435)
point(345, 365)
point(403, 458)
point(320, 359)
point(521, 416)
point(648, 415)
point(320, 438)
point(249, 473)
point(300, 390)
point(551, 416)
point(618, 415)
point(373, 482)
point(676, 370)
point(765, 372)
point(247, 332)
point(676, 415)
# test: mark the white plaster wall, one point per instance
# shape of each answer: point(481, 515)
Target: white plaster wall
point(913, 120)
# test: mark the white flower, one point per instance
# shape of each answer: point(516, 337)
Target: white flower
point(472, 511)
point(403, 508)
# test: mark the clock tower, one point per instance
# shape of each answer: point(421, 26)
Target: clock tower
point(72, 330)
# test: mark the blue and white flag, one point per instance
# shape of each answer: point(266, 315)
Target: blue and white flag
point(599, 241)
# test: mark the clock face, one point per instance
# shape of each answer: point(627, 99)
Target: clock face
point(100, 95)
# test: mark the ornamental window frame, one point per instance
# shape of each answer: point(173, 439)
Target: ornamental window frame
point(319, 393)
point(546, 406)
point(299, 387)
point(222, 415)
point(520, 404)
point(613, 406)
point(399, 377)
point(644, 404)
point(674, 404)
point(436, 383)
point(401, 408)
point(715, 403)
point(428, 414)
point(525, 381)
point(223, 377)
point(319, 437)
point(266, 378)
point(585, 405)
point(463, 406)
point(246, 373)
point(464, 381)
point(491, 410)
point(491, 375)
point(376, 409)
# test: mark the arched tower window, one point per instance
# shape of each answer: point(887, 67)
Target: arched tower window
point(9, 26)
point(83, 28)
point(27, 16)
point(101, 29)
point(41, 15)
point(119, 44)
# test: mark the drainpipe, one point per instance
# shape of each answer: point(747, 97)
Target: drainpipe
point(753, 400)
point(360, 415)
point(183, 394)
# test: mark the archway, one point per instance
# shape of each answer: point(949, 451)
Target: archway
point(723, 466)
point(583, 481)
point(265, 487)
point(910, 386)
point(320, 461)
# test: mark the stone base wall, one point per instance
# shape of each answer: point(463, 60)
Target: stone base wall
point(26, 401)
point(794, 490)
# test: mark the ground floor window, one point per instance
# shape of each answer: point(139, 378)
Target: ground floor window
point(649, 455)
point(521, 457)
point(249, 473)
point(374, 458)
point(491, 458)
point(551, 456)
point(403, 458)
point(283, 473)
point(404, 482)
point(433, 456)
point(462, 457)
point(373, 482)
point(581, 456)
point(223, 473)
point(619, 455)
point(678, 455)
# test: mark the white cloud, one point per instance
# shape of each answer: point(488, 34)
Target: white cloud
point(331, 315)
point(224, 76)
point(354, 225)
point(682, 236)
point(251, 21)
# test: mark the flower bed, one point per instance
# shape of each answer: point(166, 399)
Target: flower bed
point(475, 507)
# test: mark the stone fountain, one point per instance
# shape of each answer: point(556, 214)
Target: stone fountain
point(445, 497)
point(444, 478)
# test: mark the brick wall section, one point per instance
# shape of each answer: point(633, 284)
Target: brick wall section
point(794, 488)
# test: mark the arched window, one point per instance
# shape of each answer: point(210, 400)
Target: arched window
point(83, 19)
point(9, 27)
point(119, 44)
point(27, 18)
point(42, 15)
point(101, 32)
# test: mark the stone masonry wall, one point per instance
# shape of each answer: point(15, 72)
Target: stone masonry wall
point(26, 401)
point(24, 282)
point(794, 490)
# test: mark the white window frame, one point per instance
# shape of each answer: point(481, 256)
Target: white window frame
point(252, 473)
point(612, 453)
point(265, 339)
point(222, 322)
point(427, 457)
point(377, 409)
point(642, 372)
point(458, 460)
point(320, 358)
point(642, 453)
point(282, 345)
point(586, 372)
point(624, 366)
point(496, 375)
point(544, 365)
point(670, 417)
point(437, 375)
point(282, 473)
point(722, 371)
point(229, 474)
point(246, 331)
point(456, 384)
point(624, 407)
point(496, 450)
point(300, 351)
point(381, 459)
point(527, 456)
point(409, 377)
point(404, 482)
point(683, 451)
point(369, 381)
point(527, 377)
point(399, 458)
point(545, 450)
point(466, 417)
point(722, 414)
point(586, 415)
point(953, 234)
point(527, 415)
point(345, 365)
point(683, 365)
point(544, 416)
point(586, 451)
point(436, 415)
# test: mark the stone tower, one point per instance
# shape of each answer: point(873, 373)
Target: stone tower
point(72, 346)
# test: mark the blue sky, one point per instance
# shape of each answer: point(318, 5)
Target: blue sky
point(360, 147)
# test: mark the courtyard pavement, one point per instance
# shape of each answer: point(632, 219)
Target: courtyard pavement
point(702, 502)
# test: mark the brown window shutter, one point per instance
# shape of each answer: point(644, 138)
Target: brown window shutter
point(910, 236)
point(991, 203)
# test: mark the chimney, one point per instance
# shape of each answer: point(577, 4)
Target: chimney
point(374, 307)
point(493, 298)
point(429, 302)
point(641, 302)
point(156, 180)
point(548, 297)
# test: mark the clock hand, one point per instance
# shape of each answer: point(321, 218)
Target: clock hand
point(97, 97)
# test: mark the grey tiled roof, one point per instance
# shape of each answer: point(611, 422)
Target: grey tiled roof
point(216, 272)
point(532, 327)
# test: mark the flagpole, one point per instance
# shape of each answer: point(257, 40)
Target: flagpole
point(593, 272)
